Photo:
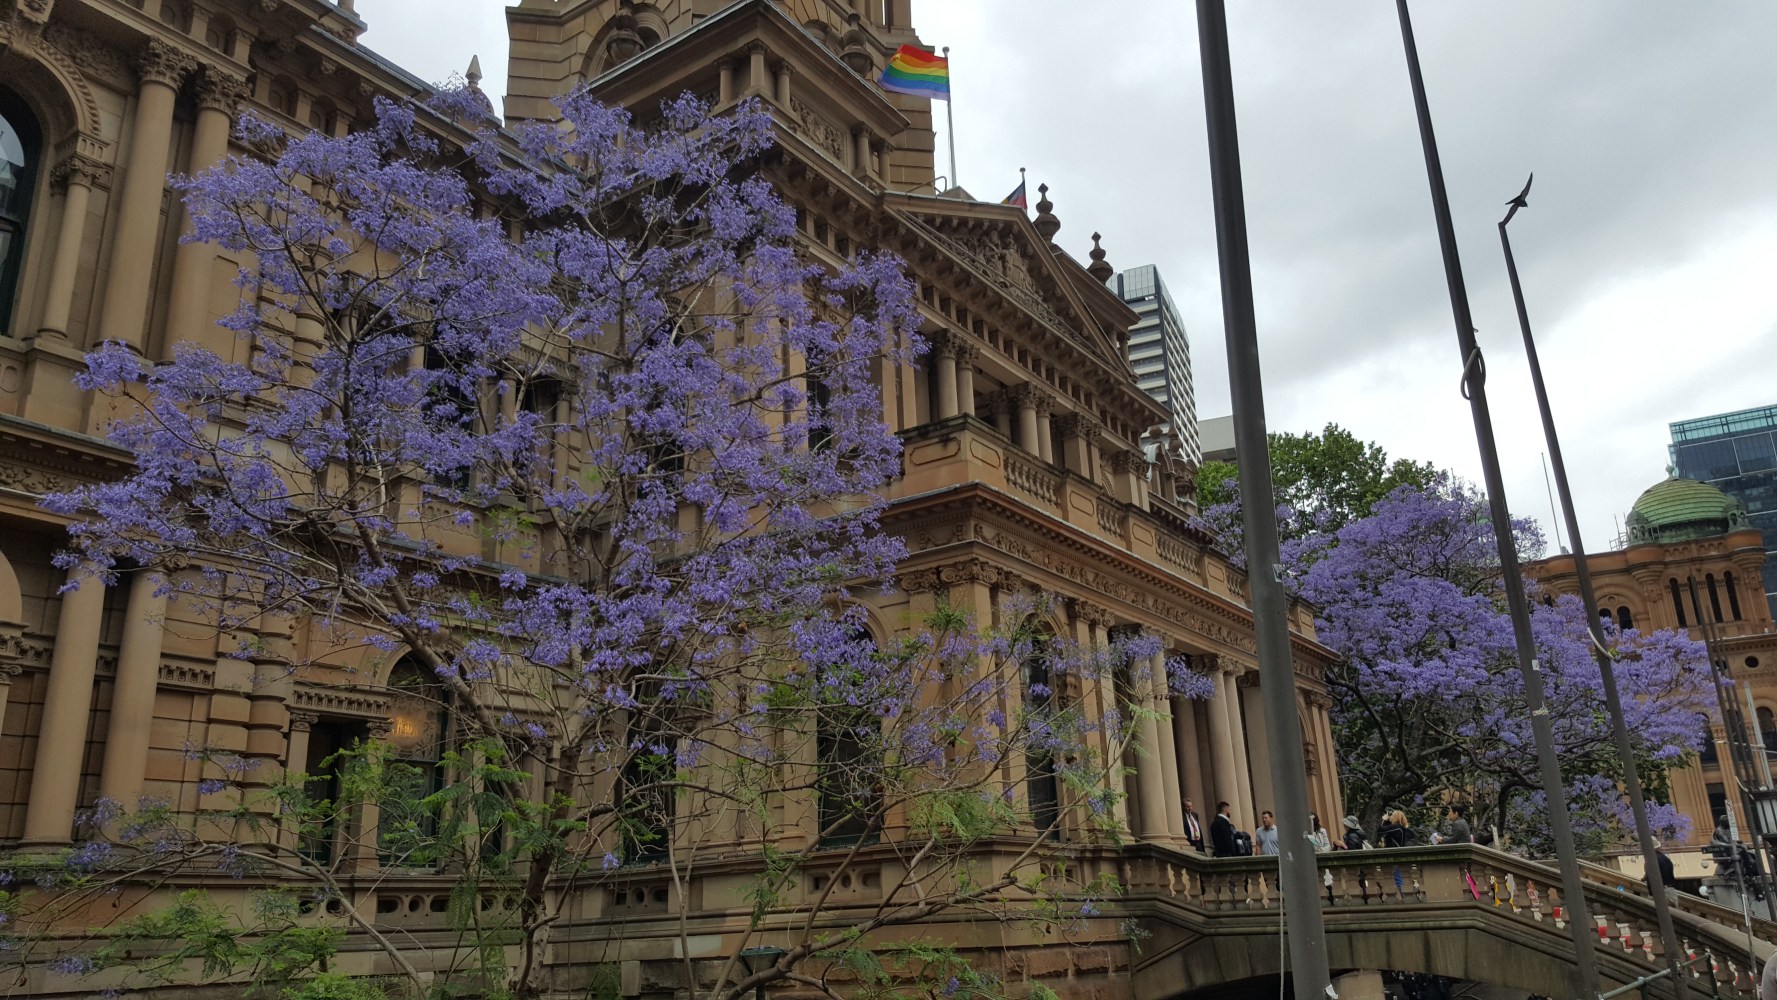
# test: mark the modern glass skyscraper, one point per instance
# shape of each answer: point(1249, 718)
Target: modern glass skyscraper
point(1737, 452)
point(1160, 351)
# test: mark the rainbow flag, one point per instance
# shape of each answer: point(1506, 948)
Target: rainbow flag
point(918, 72)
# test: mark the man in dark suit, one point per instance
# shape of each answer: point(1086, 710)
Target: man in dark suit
point(1221, 833)
point(1193, 829)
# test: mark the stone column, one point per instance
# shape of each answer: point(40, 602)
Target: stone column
point(1258, 745)
point(1025, 398)
point(67, 710)
point(1045, 438)
point(944, 363)
point(296, 755)
point(783, 85)
point(77, 174)
point(217, 95)
point(1167, 752)
point(725, 81)
point(1078, 431)
point(1190, 764)
point(132, 697)
point(1243, 771)
point(125, 314)
point(756, 81)
point(861, 151)
point(1150, 775)
point(966, 356)
point(1221, 748)
point(1098, 696)
point(1002, 414)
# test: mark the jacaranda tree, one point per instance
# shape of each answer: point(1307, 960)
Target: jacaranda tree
point(562, 424)
point(1429, 703)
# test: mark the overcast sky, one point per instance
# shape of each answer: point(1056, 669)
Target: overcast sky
point(1651, 126)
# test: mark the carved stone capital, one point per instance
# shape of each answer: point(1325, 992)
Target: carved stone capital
point(1092, 614)
point(967, 353)
point(1028, 394)
point(219, 90)
point(971, 571)
point(1247, 679)
point(302, 722)
point(80, 169)
point(1078, 425)
point(159, 62)
point(919, 581)
point(943, 343)
point(381, 729)
point(1129, 461)
point(1319, 699)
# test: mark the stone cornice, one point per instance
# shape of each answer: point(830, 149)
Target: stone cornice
point(979, 518)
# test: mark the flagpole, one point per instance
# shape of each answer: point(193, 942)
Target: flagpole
point(950, 119)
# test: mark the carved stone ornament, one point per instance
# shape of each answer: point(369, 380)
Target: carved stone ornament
point(36, 11)
point(1078, 425)
point(34, 481)
point(80, 169)
point(1130, 462)
point(1092, 614)
point(159, 62)
point(820, 130)
point(919, 581)
point(220, 90)
point(302, 722)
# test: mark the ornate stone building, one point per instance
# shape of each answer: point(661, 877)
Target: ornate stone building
point(1023, 471)
point(1694, 563)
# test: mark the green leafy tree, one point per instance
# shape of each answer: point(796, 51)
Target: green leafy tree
point(1331, 476)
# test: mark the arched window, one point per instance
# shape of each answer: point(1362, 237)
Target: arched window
point(1714, 596)
point(1041, 705)
point(1677, 603)
point(849, 751)
point(20, 141)
point(648, 781)
point(419, 735)
point(1767, 727)
point(1625, 620)
point(1733, 595)
point(1707, 753)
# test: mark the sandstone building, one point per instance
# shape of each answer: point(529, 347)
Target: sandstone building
point(1693, 562)
point(1024, 466)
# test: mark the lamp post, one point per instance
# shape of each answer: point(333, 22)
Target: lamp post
point(1297, 868)
point(1582, 571)
point(758, 960)
point(1474, 388)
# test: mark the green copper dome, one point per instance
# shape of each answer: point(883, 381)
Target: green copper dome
point(1677, 509)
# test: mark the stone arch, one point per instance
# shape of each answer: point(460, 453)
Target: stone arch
point(51, 81)
point(12, 597)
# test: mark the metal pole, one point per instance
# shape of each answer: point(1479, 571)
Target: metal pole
point(950, 119)
point(1474, 381)
point(1607, 671)
point(1298, 872)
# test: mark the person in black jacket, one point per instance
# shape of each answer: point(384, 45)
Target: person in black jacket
point(1394, 832)
point(1221, 833)
point(1354, 834)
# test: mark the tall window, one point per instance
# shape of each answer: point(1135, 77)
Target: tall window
point(1767, 727)
point(320, 831)
point(1677, 603)
point(1733, 595)
point(1042, 784)
point(1625, 618)
point(419, 733)
point(647, 784)
point(1714, 596)
point(19, 140)
point(848, 750)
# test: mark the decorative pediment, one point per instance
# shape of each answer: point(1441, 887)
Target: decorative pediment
point(1007, 253)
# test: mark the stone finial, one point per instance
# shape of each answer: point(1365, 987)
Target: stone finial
point(1046, 222)
point(1098, 268)
point(472, 75)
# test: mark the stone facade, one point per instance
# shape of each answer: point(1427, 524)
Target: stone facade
point(1024, 468)
point(1695, 568)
